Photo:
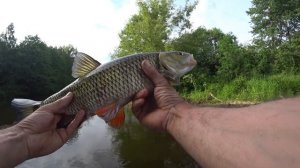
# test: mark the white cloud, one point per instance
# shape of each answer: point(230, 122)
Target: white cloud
point(92, 25)
point(198, 17)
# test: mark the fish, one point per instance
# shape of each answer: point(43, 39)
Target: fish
point(104, 90)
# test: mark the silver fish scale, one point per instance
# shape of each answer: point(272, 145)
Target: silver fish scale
point(116, 81)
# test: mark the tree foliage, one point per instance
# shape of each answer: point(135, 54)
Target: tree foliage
point(203, 44)
point(233, 59)
point(274, 21)
point(151, 28)
point(218, 55)
point(287, 57)
point(32, 69)
point(8, 37)
point(276, 26)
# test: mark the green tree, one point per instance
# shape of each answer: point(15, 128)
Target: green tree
point(231, 59)
point(8, 37)
point(45, 69)
point(287, 58)
point(32, 69)
point(150, 29)
point(205, 46)
point(274, 21)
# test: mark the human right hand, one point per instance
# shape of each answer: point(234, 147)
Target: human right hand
point(42, 136)
point(153, 109)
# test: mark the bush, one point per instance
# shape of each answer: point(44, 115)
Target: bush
point(256, 89)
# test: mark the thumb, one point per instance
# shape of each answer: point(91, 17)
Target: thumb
point(58, 105)
point(153, 74)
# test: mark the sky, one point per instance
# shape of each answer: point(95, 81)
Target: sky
point(92, 26)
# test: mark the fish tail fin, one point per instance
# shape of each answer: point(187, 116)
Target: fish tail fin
point(25, 106)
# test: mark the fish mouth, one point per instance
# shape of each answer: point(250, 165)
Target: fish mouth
point(192, 61)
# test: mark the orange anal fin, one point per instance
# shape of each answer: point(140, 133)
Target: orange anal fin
point(119, 119)
point(101, 111)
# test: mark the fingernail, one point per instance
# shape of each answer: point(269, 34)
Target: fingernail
point(81, 113)
point(69, 94)
point(146, 64)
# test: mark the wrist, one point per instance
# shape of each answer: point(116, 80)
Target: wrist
point(13, 148)
point(177, 113)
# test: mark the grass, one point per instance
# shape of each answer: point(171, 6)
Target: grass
point(243, 90)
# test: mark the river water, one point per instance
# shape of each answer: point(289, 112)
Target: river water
point(132, 146)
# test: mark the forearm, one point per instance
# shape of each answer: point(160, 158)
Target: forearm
point(265, 135)
point(12, 147)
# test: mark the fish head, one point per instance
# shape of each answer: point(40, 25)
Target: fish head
point(176, 64)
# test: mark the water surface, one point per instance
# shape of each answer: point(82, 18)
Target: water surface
point(132, 146)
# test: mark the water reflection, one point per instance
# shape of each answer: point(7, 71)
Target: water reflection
point(92, 148)
point(140, 147)
point(97, 145)
point(8, 116)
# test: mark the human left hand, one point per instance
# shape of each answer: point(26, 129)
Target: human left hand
point(42, 136)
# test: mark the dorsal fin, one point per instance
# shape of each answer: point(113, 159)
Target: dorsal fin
point(83, 64)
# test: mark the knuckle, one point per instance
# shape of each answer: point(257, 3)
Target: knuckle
point(161, 82)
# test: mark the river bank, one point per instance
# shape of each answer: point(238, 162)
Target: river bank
point(243, 90)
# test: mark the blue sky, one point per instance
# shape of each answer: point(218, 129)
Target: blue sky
point(229, 16)
point(92, 26)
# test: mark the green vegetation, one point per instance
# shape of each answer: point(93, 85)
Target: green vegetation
point(274, 22)
point(31, 69)
point(150, 29)
point(242, 90)
point(227, 71)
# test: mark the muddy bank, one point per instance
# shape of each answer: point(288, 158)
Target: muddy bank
point(226, 105)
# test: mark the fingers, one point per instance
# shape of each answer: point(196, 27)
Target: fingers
point(137, 106)
point(153, 74)
point(141, 94)
point(58, 105)
point(66, 133)
point(75, 123)
point(138, 102)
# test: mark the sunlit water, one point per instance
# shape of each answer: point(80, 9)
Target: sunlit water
point(132, 146)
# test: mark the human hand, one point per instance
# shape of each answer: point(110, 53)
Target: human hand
point(41, 135)
point(153, 109)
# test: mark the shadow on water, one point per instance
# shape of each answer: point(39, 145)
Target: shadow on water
point(132, 146)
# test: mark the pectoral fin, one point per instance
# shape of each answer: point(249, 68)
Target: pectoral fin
point(119, 119)
point(108, 112)
point(83, 64)
point(106, 109)
point(113, 113)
